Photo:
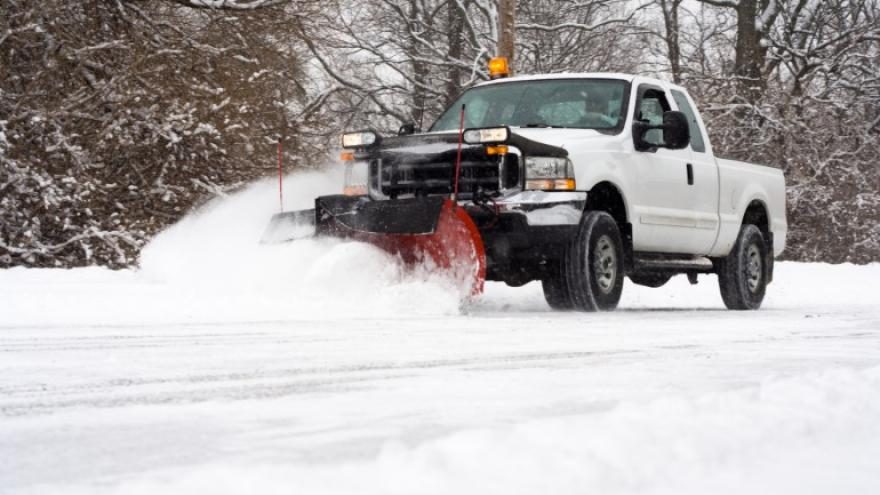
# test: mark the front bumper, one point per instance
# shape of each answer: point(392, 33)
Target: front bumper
point(525, 233)
point(542, 208)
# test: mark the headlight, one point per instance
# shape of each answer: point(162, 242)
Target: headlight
point(541, 167)
point(489, 135)
point(356, 177)
point(549, 174)
point(358, 139)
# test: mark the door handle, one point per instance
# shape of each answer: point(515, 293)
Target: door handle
point(690, 172)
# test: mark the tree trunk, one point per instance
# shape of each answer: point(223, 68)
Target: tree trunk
point(750, 55)
point(419, 68)
point(506, 24)
point(673, 46)
point(455, 28)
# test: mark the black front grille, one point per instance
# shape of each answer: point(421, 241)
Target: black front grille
point(394, 176)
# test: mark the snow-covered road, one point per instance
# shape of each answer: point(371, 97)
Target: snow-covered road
point(324, 368)
point(672, 394)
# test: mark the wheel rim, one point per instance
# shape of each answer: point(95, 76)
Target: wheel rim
point(754, 267)
point(605, 264)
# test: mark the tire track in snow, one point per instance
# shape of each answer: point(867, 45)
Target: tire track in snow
point(262, 385)
point(34, 400)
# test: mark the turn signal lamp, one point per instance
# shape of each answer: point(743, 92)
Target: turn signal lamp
point(347, 156)
point(498, 68)
point(358, 190)
point(551, 185)
point(498, 149)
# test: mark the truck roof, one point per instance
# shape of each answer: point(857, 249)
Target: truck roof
point(572, 75)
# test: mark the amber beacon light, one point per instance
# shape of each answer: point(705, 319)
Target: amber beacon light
point(498, 68)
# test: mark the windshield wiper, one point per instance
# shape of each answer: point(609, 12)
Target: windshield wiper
point(542, 125)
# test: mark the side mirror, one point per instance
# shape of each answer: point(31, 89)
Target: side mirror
point(676, 132)
point(406, 129)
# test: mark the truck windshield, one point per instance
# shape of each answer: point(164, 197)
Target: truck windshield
point(574, 103)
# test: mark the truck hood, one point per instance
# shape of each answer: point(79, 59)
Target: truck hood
point(412, 146)
point(562, 138)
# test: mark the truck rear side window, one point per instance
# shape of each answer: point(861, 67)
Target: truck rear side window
point(697, 142)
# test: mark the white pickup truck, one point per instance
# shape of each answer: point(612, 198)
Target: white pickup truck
point(576, 180)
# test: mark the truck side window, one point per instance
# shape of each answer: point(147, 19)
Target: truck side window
point(697, 143)
point(650, 110)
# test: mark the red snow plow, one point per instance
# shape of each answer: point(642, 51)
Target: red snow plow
point(433, 231)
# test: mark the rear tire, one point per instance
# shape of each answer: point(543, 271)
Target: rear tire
point(742, 274)
point(594, 264)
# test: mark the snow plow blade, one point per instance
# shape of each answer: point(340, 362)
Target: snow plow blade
point(289, 226)
point(431, 231)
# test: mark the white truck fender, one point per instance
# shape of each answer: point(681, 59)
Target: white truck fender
point(738, 192)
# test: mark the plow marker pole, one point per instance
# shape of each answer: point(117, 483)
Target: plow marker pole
point(458, 158)
point(280, 180)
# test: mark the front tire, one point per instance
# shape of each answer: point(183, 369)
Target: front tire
point(594, 265)
point(743, 274)
point(556, 290)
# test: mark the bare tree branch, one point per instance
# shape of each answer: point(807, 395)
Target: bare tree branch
point(230, 4)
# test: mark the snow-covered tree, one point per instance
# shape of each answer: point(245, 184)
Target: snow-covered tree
point(802, 95)
point(118, 117)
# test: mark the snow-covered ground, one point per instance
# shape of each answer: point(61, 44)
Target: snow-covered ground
point(324, 367)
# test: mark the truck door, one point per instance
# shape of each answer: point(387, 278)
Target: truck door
point(663, 217)
point(702, 179)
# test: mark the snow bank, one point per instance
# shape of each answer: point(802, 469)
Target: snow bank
point(802, 286)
